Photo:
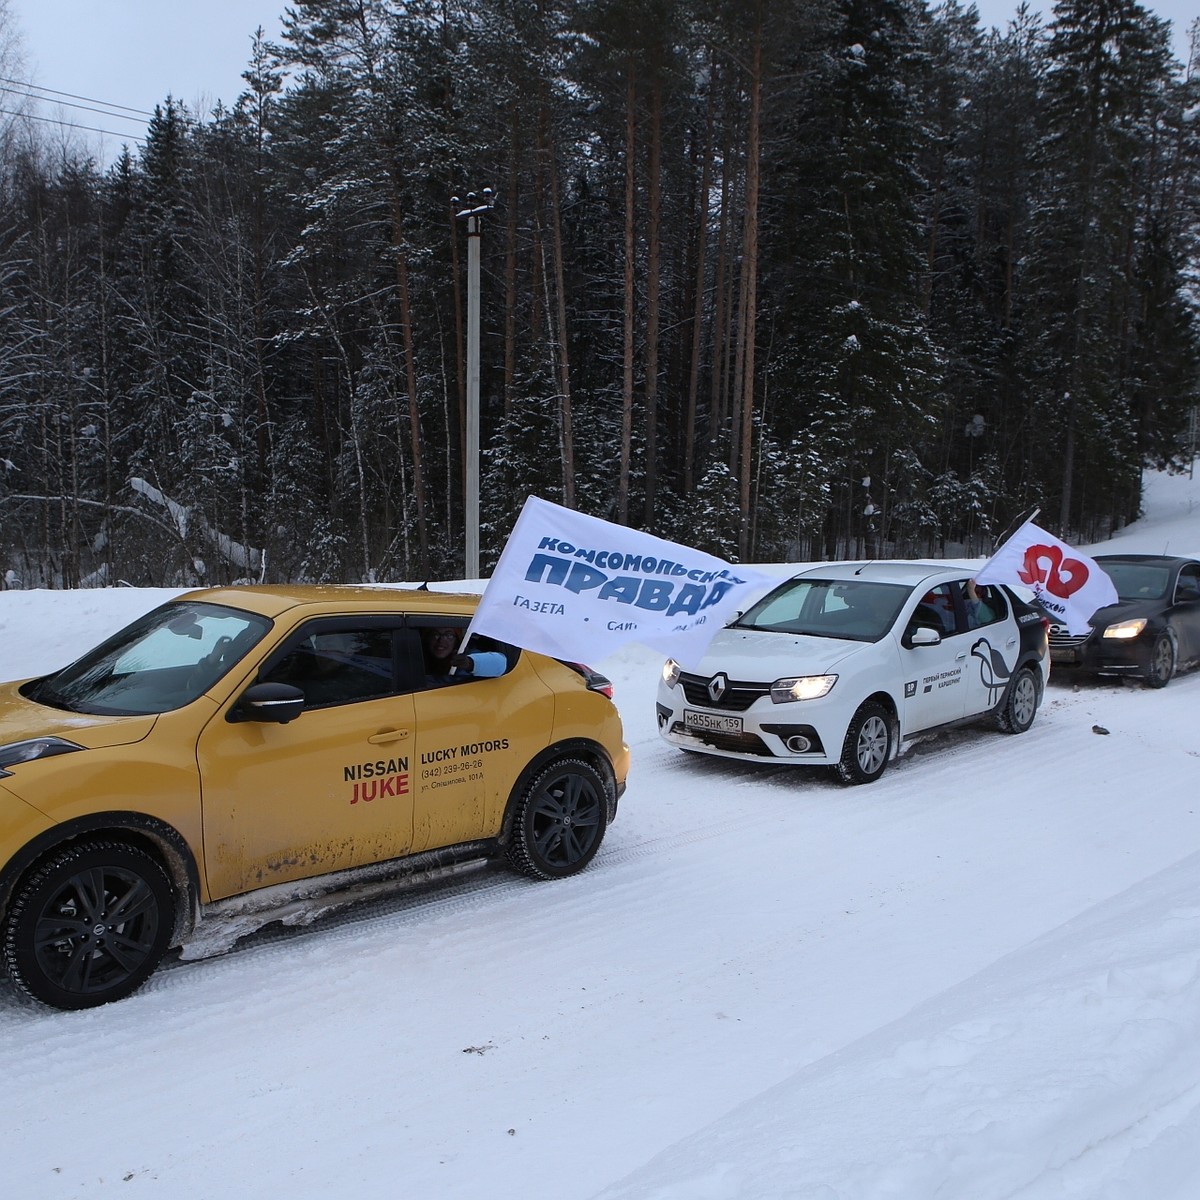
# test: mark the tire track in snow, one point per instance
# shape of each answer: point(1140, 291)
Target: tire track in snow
point(404, 907)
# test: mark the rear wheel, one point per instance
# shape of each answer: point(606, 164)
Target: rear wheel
point(868, 745)
point(1020, 705)
point(560, 820)
point(1161, 669)
point(89, 925)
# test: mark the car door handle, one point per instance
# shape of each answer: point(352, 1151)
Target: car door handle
point(388, 735)
point(1010, 643)
point(960, 657)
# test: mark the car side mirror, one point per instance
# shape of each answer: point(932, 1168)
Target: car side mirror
point(923, 636)
point(275, 702)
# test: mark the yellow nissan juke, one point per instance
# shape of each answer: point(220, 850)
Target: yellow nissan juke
point(239, 738)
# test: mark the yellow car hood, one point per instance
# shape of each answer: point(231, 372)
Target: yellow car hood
point(21, 719)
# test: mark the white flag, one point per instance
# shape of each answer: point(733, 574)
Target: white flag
point(1067, 584)
point(575, 587)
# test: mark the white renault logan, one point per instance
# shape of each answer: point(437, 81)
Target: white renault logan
point(842, 663)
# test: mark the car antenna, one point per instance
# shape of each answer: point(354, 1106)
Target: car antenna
point(864, 566)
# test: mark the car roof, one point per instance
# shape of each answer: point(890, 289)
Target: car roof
point(882, 571)
point(1155, 560)
point(270, 600)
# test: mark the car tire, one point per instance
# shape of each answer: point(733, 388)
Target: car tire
point(867, 748)
point(1161, 668)
point(1020, 703)
point(89, 925)
point(559, 821)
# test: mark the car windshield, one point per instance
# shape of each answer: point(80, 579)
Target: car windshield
point(162, 661)
point(1137, 581)
point(855, 609)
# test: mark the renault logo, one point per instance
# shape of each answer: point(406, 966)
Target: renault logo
point(716, 687)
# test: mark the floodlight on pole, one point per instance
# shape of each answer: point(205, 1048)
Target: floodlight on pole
point(472, 214)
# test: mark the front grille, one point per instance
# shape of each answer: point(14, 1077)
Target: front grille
point(737, 697)
point(1061, 638)
point(735, 743)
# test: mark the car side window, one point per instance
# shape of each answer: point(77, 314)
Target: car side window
point(445, 660)
point(338, 666)
point(935, 611)
point(987, 608)
point(1188, 586)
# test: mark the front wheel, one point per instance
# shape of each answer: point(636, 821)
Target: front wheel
point(1020, 705)
point(560, 820)
point(89, 925)
point(868, 745)
point(1162, 662)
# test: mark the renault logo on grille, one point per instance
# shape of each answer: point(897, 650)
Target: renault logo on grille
point(716, 687)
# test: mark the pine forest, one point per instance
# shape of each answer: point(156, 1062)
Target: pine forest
point(794, 281)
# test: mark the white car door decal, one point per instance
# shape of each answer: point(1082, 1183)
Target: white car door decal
point(994, 672)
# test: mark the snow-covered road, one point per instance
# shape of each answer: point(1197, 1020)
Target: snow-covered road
point(978, 978)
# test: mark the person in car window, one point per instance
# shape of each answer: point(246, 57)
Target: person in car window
point(981, 609)
point(444, 664)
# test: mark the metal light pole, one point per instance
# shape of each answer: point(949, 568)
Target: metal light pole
point(473, 215)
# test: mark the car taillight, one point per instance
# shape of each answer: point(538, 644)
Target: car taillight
point(593, 680)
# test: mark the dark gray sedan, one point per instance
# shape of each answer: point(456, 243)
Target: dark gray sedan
point(1151, 632)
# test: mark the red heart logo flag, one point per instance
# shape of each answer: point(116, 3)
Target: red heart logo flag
point(1067, 584)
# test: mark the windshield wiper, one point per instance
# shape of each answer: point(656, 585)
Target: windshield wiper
point(40, 692)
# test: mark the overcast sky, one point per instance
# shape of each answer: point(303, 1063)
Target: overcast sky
point(134, 53)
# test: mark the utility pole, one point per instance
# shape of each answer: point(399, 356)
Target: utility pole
point(472, 214)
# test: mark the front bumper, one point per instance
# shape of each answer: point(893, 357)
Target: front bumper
point(1103, 656)
point(762, 732)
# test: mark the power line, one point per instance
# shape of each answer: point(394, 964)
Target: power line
point(90, 99)
point(7, 112)
point(65, 104)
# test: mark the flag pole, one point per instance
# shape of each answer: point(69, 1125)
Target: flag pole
point(1013, 527)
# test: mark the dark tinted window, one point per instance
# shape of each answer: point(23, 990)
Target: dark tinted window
point(1188, 586)
point(338, 666)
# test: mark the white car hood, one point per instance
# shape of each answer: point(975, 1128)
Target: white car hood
point(753, 656)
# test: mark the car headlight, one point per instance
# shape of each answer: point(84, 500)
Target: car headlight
point(1126, 629)
point(804, 687)
point(670, 672)
point(35, 748)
